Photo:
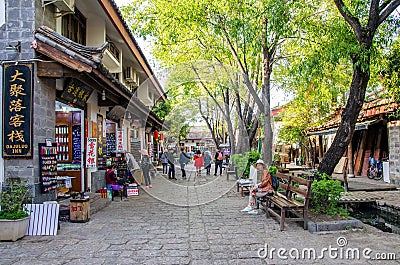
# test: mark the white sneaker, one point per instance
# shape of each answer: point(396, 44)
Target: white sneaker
point(254, 212)
point(247, 209)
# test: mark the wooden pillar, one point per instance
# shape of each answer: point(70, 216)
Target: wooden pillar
point(360, 154)
point(320, 148)
point(377, 151)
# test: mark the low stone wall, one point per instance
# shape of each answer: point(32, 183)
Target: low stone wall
point(333, 225)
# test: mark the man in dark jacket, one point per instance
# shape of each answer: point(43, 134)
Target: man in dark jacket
point(171, 162)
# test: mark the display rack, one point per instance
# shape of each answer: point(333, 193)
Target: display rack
point(48, 167)
point(62, 139)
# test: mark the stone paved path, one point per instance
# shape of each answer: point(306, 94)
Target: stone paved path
point(147, 230)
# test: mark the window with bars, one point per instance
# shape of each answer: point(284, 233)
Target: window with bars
point(74, 27)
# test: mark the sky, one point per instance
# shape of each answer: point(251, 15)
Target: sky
point(277, 96)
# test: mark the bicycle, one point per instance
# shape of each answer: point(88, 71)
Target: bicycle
point(375, 169)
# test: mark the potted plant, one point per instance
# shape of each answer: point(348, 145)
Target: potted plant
point(14, 217)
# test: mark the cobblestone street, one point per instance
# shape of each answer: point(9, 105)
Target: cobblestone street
point(147, 230)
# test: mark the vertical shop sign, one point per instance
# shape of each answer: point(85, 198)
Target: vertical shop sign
point(150, 149)
point(17, 110)
point(91, 152)
point(120, 137)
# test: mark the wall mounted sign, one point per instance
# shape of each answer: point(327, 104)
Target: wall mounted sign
point(17, 110)
point(76, 92)
point(91, 152)
point(120, 137)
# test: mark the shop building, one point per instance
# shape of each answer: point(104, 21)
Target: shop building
point(85, 93)
point(376, 135)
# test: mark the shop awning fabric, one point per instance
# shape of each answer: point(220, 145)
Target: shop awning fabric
point(359, 126)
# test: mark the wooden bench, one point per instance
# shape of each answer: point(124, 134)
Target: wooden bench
point(287, 202)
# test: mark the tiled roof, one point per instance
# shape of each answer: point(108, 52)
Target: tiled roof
point(371, 110)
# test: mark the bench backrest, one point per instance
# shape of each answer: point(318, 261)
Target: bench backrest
point(288, 182)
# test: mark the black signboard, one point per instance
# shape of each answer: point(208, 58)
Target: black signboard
point(17, 110)
point(76, 143)
point(76, 92)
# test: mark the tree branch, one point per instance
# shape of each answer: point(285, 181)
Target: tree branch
point(387, 10)
point(349, 18)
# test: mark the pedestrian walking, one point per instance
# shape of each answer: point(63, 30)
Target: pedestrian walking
point(164, 162)
point(207, 162)
point(183, 160)
point(198, 162)
point(219, 158)
point(145, 165)
point(171, 162)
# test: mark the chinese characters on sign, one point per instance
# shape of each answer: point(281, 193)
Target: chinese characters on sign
point(120, 136)
point(91, 152)
point(76, 92)
point(17, 110)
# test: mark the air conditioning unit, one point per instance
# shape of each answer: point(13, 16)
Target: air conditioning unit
point(62, 5)
point(131, 77)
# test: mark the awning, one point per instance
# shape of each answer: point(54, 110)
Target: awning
point(359, 126)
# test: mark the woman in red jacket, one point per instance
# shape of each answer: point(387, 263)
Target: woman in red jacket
point(198, 162)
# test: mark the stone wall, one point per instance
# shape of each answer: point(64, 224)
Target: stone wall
point(20, 21)
point(23, 16)
point(394, 151)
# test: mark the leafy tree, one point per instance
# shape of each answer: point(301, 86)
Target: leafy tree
point(246, 36)
point(364, 19)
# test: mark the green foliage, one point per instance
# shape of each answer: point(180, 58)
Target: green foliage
point(240, 161)
point(252, 157)
point(391, 74)
point(163, 109)
point(243, 162)
point(326, 193)
point(12, 198)
point(272, 169)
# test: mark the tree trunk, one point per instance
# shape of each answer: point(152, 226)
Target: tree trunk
point(349, 116)
point(266, 96)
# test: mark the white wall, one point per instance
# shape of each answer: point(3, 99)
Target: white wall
point(2, 12)
point(95, 31)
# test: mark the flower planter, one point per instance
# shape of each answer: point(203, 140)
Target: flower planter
point(12, 230)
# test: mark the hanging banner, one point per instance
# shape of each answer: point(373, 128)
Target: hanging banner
point(91, 152)
point(17, 110)
point(120, 137)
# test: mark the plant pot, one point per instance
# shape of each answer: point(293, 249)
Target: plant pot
point(12, 230)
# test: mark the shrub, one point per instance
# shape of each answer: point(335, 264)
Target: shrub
point(326, 193)
point(243, 162)
point(12, 198)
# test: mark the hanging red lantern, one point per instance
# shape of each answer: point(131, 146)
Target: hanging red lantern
point(161, 137)
point(155, 134)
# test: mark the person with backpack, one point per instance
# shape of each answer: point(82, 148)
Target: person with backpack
point(261, 189)
point(219, 158)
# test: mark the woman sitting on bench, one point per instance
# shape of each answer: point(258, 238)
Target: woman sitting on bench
point(261, 189)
